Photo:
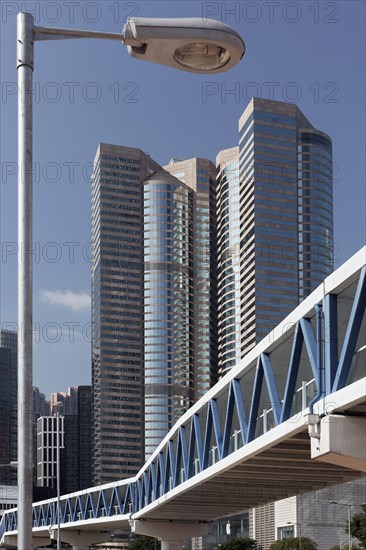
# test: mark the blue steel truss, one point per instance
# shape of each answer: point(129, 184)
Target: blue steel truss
point(208, 434)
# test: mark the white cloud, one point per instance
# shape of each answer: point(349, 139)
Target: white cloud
point(77, 301)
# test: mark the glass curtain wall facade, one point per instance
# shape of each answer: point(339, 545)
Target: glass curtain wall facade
point(180, 292)
point(168, 307)
point(117, 311)
point(315, 209)
point(286, 214)
point(228, 259)
point(199, 175)
point(9, 402)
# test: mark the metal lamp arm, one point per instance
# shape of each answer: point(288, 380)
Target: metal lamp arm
point(46, 33)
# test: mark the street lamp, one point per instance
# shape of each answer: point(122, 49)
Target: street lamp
point(59, 404)
point(12, 464)
point(191, 45)
point(299, 526)
point(349, 519)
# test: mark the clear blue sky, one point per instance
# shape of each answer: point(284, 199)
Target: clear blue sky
point(89, 91)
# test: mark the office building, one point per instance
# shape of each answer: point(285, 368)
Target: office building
point(75, 444)
point(8, 404)
point(117, 310)
point(286, 214)
point(199, 175)
point(85, 436)
point(47, 430)
point(76, 455)
point(153, 301)
point(41, 407)
point(179, 292)
point(275, 234)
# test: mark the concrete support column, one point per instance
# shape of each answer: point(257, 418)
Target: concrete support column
point(172, 534)
point(81, 540)
point(11, 541)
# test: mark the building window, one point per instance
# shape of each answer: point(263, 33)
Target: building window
point(287, 532)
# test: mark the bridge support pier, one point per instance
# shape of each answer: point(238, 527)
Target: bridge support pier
point(11, 541)
point(172, 534)
point(80, 540)
point(339, 439)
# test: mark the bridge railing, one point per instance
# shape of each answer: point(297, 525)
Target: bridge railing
point(318, 349)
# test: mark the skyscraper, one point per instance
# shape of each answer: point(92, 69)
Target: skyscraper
point(286, 214)
point(168, 299)
point(117, 310)
point(153, 301)
point(275, 233)
point(179, 292)
point(199, 175)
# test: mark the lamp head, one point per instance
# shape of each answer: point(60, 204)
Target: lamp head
point(190, 44)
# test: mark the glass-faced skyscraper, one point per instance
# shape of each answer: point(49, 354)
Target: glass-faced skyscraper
point(153, 301)
point(281, 198)
point(179, 292)
point(199, 175)
point(286, 214)
point(168, 301)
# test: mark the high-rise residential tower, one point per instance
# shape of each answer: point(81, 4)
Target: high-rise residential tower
point(228, 259)
point(69, 401)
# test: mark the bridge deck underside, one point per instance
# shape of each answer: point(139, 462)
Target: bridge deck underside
point(284, 470)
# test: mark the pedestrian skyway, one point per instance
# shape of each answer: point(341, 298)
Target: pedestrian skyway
point(289, 418)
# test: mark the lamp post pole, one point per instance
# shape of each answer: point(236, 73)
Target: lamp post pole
point(58, 474)
point(349, 526)
point(25, 57)
point(186, 44)
point(349, 506)
point(299, 526)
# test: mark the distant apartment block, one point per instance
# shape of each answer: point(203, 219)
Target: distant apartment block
point(8, 404)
